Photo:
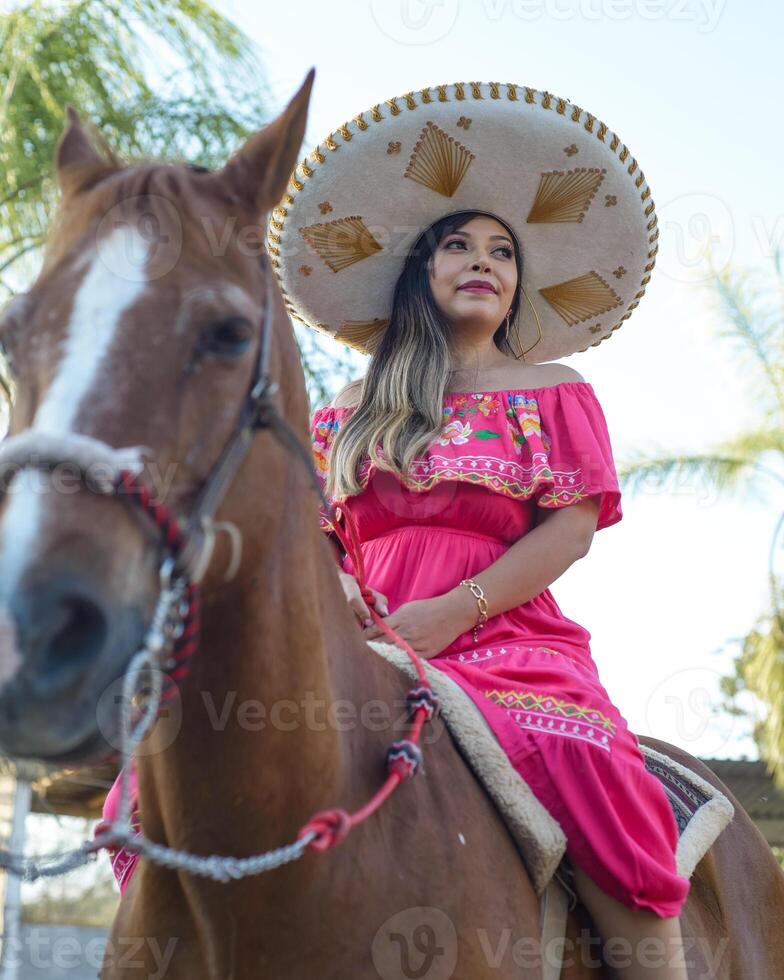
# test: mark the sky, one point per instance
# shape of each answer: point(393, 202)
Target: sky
point(666, 593)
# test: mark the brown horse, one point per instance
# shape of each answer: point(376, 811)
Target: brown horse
point(143, 328)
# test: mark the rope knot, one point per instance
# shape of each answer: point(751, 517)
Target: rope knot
point(330, 826)
point(404, 758)
point(423, 697)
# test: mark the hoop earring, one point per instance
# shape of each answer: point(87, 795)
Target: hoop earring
point(538, 325)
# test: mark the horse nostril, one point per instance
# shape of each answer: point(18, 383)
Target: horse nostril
point(65, 635)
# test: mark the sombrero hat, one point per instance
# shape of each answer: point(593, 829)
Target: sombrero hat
point(565, 183)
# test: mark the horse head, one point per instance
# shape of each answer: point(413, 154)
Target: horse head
point(133, 351)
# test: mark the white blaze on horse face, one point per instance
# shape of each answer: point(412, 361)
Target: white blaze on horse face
point(115, 279)
point(113, 283)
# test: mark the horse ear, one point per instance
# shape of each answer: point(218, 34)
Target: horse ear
point(257, 174)
point(75, 154)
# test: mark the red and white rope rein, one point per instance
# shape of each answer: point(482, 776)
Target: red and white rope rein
point(170, 643)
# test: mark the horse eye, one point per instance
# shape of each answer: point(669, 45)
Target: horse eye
point(227, 338)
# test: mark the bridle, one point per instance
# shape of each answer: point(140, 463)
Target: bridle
point(173, 634)
point(175, 623)
point(174, 629)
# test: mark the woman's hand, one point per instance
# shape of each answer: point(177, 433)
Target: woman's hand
point(428, 625)
point(357, 603)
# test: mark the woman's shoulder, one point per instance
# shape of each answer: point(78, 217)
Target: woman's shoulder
point(348, 396)
point(552, 374)
point(529, 380)
point(515, 378)
point(535, 377)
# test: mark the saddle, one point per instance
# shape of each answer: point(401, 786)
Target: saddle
point(701, 810)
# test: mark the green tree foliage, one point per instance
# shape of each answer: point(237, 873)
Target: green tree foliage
point(160, 79)
point(168, 80)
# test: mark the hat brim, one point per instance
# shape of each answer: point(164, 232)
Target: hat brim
point(563, 182)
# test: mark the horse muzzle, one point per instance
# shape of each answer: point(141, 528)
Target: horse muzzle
point(62, 644)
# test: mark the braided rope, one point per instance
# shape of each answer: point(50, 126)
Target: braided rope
point(170, 642)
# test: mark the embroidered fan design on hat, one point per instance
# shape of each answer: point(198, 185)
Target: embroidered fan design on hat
point(438, 161)
point(583, 225)
point(341, 242)
point(581, 298)
point(363, 332)
point(565, 195)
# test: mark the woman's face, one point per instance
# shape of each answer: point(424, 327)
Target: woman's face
point(480, 250)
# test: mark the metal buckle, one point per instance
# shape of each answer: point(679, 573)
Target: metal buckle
point(264, 386)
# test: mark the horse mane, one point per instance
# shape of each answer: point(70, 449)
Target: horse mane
point(120, 184)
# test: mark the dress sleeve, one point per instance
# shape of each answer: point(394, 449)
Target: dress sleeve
point(577, 452)
point(324, 425)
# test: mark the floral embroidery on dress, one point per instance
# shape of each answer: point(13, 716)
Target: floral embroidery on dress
point(583, 723)
point(525, 411)
point(517, 459)
point(322, 436)
point(456, 432)
point(485, 403)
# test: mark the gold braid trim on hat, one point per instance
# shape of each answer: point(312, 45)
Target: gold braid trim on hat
point(305, 169)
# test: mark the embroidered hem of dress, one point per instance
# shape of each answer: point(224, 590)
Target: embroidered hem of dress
point(494, 651)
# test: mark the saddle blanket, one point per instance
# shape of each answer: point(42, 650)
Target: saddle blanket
point(701, 810)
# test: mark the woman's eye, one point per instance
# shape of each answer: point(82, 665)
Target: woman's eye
point(503, 248)
point(227, 338)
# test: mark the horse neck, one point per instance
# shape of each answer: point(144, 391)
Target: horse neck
point(258, 747)
point(284, 640)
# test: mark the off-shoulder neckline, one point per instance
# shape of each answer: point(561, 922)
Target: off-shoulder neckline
point(496, 391)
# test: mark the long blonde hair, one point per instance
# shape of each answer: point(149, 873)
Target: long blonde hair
point(401, 399)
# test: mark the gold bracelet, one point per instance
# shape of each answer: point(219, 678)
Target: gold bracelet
point(476, 589)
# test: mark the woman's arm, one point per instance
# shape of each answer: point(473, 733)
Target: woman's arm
point(531, 564)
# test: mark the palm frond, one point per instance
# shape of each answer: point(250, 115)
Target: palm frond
point(104, 57)
point(741, 301)
point(762, 668)
point(721, 472)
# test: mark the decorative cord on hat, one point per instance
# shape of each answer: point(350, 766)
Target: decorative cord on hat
point(517, 328)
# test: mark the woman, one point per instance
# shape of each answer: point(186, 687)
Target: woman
point(477, 475)
point(528, 667)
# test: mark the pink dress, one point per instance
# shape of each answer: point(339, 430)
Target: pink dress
point(499, 456)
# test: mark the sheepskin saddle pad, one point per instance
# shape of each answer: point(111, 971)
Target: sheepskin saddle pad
point(701, 810)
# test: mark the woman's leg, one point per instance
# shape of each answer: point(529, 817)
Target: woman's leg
point(650, 948)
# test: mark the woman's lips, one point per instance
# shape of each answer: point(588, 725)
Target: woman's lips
point(476, 289)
